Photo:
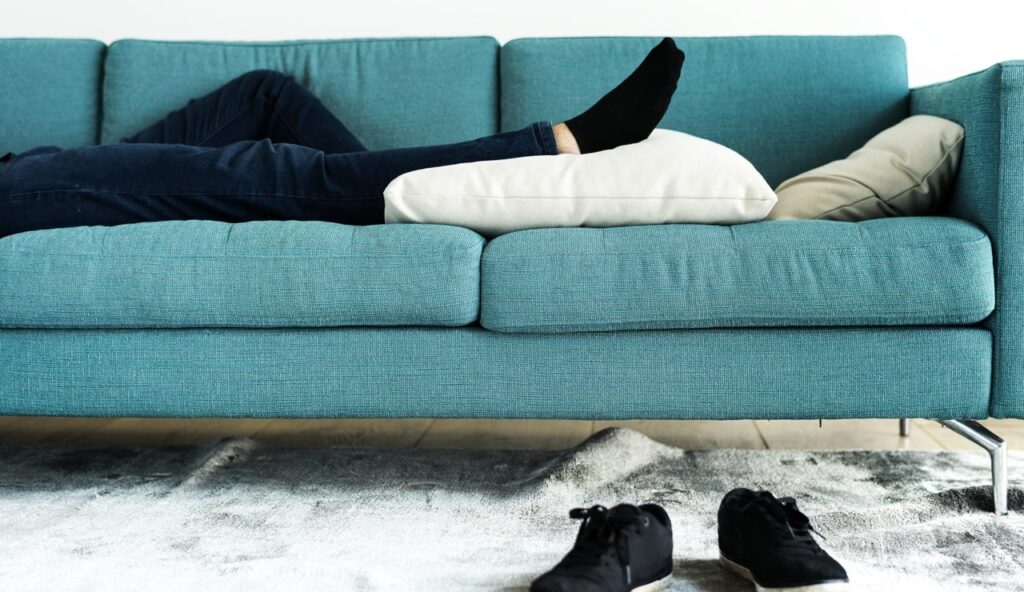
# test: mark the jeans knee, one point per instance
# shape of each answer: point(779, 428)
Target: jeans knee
point(265, 82)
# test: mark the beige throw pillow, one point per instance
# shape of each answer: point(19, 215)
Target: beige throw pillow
point(907, 170)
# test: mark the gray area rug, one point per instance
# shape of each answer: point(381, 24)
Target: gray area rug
point(241, 515)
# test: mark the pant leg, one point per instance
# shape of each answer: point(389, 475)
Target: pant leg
point(262, 104)
point(127, 183)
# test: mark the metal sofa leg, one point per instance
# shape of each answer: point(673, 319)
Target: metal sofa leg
point(996, 447)
point(904, 427)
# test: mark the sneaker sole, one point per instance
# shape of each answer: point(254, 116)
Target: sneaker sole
point(654, 586)
point(744, 573)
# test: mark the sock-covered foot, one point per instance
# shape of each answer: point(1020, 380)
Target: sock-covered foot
point(631, 110)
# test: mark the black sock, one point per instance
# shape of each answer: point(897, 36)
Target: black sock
point(631, 110)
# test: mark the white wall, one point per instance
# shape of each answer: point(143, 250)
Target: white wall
point(944, 39)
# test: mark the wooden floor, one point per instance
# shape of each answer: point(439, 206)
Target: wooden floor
point(497, 434)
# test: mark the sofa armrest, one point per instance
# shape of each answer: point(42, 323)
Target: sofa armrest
point(990, 192)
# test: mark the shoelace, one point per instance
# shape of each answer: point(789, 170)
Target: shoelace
point(794, 517)
point(792, 522)
point(601, 525)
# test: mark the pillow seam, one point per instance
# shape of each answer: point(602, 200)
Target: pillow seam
point(945, 157)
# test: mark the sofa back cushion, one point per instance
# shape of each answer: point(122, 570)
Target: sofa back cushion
point(389, 92)
point(49, 92)
point(788, 104)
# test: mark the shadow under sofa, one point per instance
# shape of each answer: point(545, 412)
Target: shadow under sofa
point(893, 318)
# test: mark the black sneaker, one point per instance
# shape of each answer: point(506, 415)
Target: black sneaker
point(768, 541)
point(624, 549)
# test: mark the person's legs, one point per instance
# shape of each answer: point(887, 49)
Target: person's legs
point(262, 104)
point(141, 181)
point(126, 183)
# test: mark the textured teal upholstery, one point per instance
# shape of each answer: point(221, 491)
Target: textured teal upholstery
point(898, 271)
point(257, 274)
point(471, 372)
point(389, 92)
point(990, 192)
point(786, 103)
point(49, 92)
point(285, 319)
point(267, 273)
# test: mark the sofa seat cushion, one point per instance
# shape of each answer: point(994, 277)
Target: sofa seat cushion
point(256, 274)
point(898, 271)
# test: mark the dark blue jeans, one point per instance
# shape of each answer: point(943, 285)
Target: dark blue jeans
point(261, 147)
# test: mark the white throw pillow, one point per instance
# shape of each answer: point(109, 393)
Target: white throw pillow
point(671, 177)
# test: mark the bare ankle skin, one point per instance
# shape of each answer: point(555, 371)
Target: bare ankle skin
point(564, 140)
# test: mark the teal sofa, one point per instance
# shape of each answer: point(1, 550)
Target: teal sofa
point(893, 318)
